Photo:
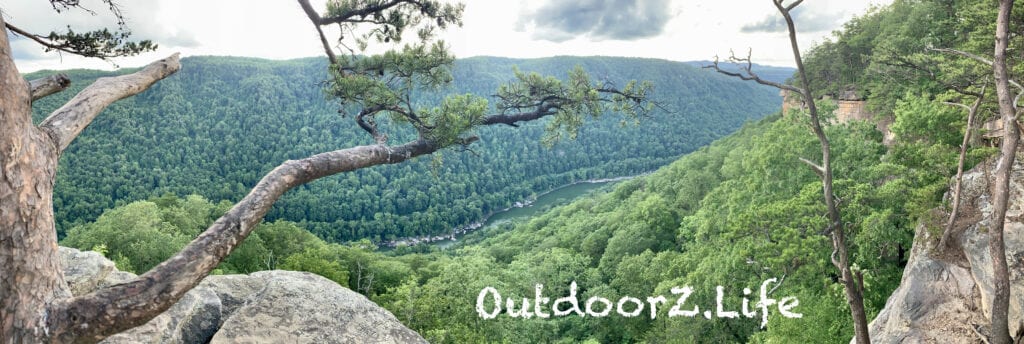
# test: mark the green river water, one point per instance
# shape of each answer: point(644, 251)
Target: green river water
point(556, 197)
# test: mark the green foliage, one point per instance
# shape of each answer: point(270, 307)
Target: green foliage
point(732, 214)
point(892, 50)
point(425, 15)
point(922, 119)
point(101, 43)
point(135, 232)
point(387, 80)
point(214, 128)
point(456, 116)
point(321, 260)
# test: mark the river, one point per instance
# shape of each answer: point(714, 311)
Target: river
point(556, 197)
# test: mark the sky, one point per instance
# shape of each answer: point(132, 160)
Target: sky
point(679, 30)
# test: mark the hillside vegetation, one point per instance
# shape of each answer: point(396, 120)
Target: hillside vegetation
point(221, 123)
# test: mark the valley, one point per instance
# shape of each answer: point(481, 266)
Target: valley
point(194, 133)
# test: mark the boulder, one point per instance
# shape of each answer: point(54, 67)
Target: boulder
point(232, 290)
point(300, 307)
point(194, 319)
point(84, 270)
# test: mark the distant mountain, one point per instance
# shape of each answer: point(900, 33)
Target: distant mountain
point(222, 122)
point(770, 73)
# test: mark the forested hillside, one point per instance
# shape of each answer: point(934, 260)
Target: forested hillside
point(218, 125)
point(734, 214)
point(745, 210)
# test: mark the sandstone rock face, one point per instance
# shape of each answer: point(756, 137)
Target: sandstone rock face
point(296, 307)
point(193, 319)
point(84, 271)
point(232, 290)
point(945, 297)
point(264, 307)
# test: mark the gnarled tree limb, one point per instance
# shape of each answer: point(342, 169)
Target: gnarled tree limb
point(514, 118)
point(68, 121)
point(38, 39)
point(43, 87)
point(120, 307)
point(975, 57)
point(817, 168)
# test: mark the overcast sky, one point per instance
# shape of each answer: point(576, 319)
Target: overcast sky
point(681, 30)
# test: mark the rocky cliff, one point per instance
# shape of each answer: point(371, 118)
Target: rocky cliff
point(945, 294)
point(264, 307)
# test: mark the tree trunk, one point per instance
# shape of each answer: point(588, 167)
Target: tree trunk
point(32, 278)
point(1001, 193)
point(853, 286)
point(959, 180)
point(29, 264)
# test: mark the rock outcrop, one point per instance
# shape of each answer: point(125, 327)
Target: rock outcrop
point(263, 307)
point(945, 294)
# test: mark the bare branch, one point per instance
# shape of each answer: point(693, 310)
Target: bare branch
point(840, 255)
point(964, 106)
point(999, 303)
point(68, 121)
point(366, 120)
point(793, 5)
point(777, 285)
point(316, 19)
point(964, 54)
point(43, 87)
point(860, 280)
point(972, 112)
point(820, 171)
point(984, 339)
point(748, 73)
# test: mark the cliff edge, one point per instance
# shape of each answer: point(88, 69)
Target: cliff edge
point(945, 294)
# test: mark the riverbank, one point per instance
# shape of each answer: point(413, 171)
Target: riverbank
point(476, 225)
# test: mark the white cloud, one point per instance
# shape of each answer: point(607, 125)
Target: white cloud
point(280, 30)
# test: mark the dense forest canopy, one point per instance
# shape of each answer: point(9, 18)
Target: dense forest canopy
point(218, 125)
